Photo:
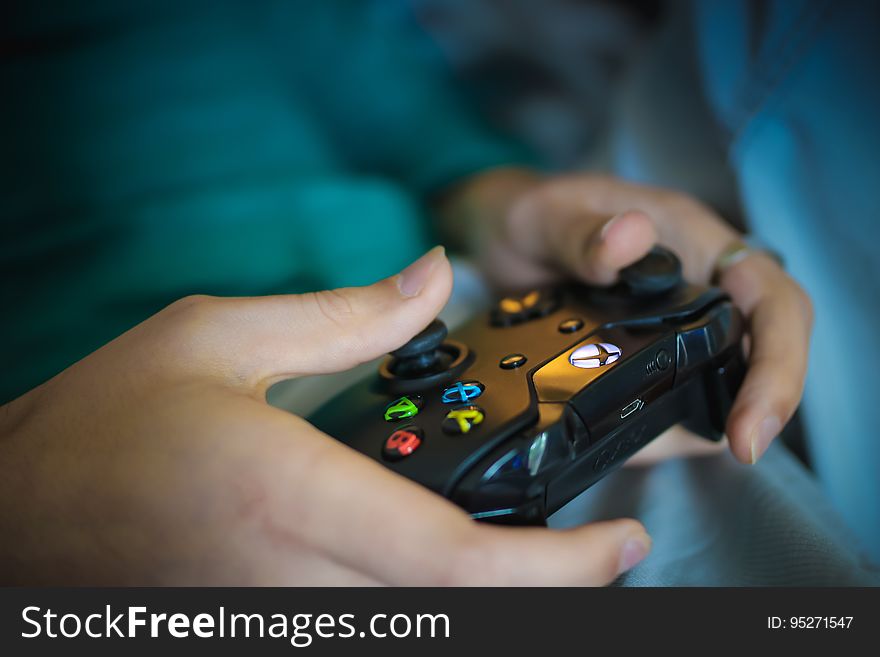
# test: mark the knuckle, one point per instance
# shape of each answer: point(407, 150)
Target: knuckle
point(190, 301)
point(674, 198)
point(806, 304)
point(795, 291)
point(678, 202)
point(193, 311)
point(334, 305)
point(184, 334)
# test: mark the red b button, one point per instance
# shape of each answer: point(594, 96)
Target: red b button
point(402, 443)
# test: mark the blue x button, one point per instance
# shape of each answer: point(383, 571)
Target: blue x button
point(462, 392)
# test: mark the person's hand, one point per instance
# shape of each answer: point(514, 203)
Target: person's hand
point(528, 230)
point(156, 460)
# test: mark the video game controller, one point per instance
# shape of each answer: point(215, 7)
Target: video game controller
point(525, 407)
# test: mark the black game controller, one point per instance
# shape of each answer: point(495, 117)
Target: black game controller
point(533, 403)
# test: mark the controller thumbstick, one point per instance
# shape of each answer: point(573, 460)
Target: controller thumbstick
point(657, 273)
point(422, 354)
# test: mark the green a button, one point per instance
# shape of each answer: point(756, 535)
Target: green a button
point(403, 408)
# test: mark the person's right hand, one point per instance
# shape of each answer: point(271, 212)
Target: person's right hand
point(156, 460)
point(527, 230)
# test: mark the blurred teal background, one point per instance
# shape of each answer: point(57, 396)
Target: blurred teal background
point(157, 149)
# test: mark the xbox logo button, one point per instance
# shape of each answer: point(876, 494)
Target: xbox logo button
point(594, 355)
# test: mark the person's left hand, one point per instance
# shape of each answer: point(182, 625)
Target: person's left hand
point(156, 460)
point(527, 230)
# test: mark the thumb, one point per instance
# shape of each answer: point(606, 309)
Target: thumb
point(266, 339)
point(591, 555)
point(615, 244)
point(587, 244)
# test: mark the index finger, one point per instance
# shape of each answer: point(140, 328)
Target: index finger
point(391, 529)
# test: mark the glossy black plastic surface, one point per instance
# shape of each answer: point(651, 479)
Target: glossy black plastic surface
point(535, 436)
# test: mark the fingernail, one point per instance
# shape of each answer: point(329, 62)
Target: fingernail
point(607, 226)
point(634, 550)
point(413, 279)
point(763, 435)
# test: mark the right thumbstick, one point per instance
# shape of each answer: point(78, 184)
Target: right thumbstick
point(657, 273)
